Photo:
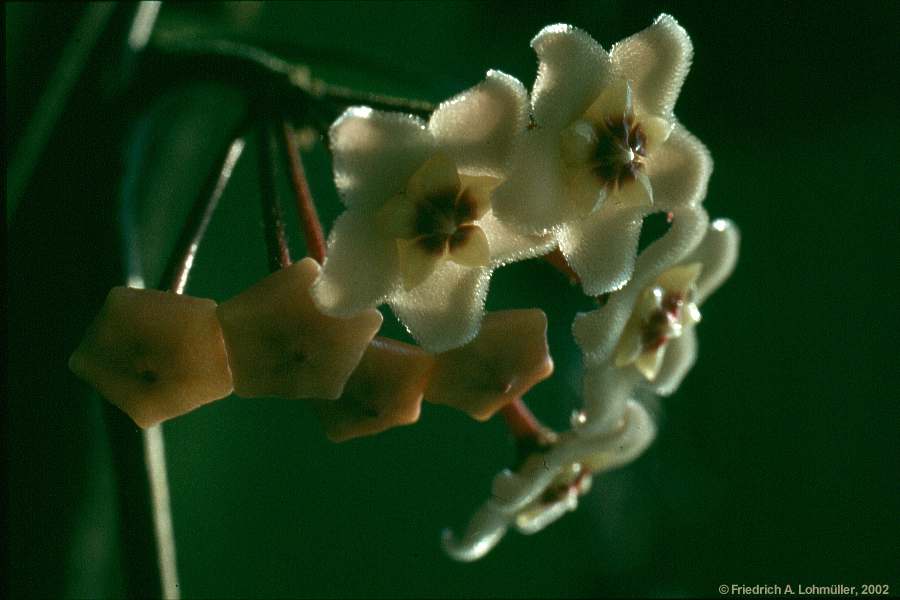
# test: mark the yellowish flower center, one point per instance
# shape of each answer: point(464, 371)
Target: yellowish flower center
point(435, 219)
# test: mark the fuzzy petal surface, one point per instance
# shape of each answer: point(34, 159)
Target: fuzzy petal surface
point(656, 61)
point(534, 198)
point(478, 127)
point(679, 171)
point(572, 72)
point(602, 247)
point(375, 153)
point(718, 253)
point(361, 268)
point(445, 311)
point(507, 245)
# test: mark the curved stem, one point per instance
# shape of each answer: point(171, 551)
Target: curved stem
point(349, 96)
point(520, 420)
point(530, 434)
point(290, 86)
point(306, 207)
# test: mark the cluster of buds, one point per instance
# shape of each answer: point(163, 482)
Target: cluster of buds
point(495, 175)
point(157, 355)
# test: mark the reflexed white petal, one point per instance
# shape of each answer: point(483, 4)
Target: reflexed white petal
point(691, 314)
point(656, 131)
point(508, 245)
point(536, 518)
point(637, 193)
point(648, 363)
point(416, 265)
point(375, 153)
point(602, 247)
point(397, 218)
point(614, 102)
point(474, 251)
point(478, 126)
point(437, 174)
point(656, 61)
point(630, 345)
point(680, 357)
point(485, 531)
point(514, 491)
point(718, 252)
point(679, 171)
point(573, 70)
point(597, 332)
point(680, 278)
point(578, 143)
point(445, 311)
point(360, 269)
point(533, 199)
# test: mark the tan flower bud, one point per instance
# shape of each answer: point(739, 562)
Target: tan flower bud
point(155, 355)
point(279, 344)
point(508, 358)
point(384, 391)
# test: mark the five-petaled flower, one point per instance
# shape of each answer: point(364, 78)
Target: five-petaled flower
point(663, 312)
point(605, 148)
point(627, 346)
point(419, 232)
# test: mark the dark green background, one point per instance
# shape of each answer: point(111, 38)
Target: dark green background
point(776, 462)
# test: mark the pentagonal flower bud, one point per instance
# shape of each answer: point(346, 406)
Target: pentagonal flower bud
point(508, 358)
point(384, 391)
point(155, 355)
point(279, 344)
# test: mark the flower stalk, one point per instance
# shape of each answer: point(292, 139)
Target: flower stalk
point(306, 207)
point(178, 269)
point(256, 71)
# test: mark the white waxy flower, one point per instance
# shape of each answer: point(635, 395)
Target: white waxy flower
point(605, 149)
point(419, 232)
point(664, 311)
point(628, 345)
point(549, 483)
point(613, 429)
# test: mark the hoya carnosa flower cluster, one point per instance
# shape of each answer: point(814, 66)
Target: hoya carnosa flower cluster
point(495, 175)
